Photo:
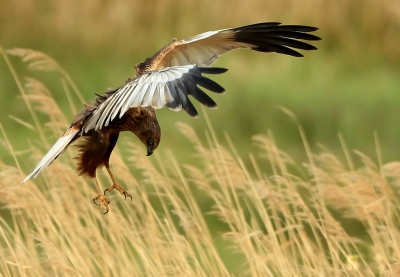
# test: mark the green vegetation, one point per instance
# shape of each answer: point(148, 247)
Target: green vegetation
point(295, 174)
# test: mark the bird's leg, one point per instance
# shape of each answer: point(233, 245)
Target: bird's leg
point(103, 201)
point(116, 186)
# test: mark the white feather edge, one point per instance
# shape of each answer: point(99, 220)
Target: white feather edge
point(57, 148)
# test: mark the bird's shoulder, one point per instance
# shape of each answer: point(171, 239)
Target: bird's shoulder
point(88, 109)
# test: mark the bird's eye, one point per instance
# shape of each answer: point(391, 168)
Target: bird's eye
point(150, 142)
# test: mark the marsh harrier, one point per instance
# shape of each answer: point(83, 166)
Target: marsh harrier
point(165, 79)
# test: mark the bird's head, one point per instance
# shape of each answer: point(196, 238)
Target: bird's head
point(151, 139)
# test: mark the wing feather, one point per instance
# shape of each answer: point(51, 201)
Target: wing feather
point(199, 95)
point(57, 149)
point(173, 101)
point(166, 87)
point(148, 96)
point(204, 49)
point(158, 99)
point(136, 96)
point(147, 88)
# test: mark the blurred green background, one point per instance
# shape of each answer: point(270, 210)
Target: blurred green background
point(351, 85)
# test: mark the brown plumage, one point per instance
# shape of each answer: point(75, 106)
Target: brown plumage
point(165, 79)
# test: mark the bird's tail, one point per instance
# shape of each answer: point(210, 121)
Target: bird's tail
point(61, 144)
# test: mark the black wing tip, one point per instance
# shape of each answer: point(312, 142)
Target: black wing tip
point(212, 70)
point(194, 115)
point(279, 25)
point(299, 55)
point(190, 109)
point(313, 37)
point(299, 28)
point(302, 28)
point(276, 29)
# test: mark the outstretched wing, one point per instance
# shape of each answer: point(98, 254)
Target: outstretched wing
point(165, 87)
point(204, 49)
point(174, 72)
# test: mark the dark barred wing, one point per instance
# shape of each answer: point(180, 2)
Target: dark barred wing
point(165, 87)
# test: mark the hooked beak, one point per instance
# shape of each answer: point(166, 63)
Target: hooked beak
point(150, 149)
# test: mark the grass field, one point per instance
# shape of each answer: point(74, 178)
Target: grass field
point(296, 174)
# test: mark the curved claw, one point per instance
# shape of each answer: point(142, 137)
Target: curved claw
point(120, 189)
point(106, 212)
point(102, 202)
point(126, 194)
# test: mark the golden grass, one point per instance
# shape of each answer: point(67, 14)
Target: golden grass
point(277, 218)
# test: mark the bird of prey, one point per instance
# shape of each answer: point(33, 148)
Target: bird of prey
point(167, 78)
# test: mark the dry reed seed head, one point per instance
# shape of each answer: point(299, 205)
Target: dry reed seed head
point(387, 266)
point(35, 87)
point(366, 160)
point(44, 103)
point(55, 258)
point(272, 153)
point(138, 154)
point(118, 162)
point(234, 237)
point(318, 175)
point(144, 163)
point(61, 174)
point(223, 168)
point(187, 222)
point(19, 198)
point(198, 177)
point(353, 263)
point(266, 191)
point(286, 194)
point(332, 229)
point(207, 154)
point(275, 199)
point(391, 172)
point(56, 127)
point(329, 162)
point(334, 196)
point(9, 175)
point(387, 249)
point(225, 212)
point(280, 180)
point(36, 60)
point(171, 240)
point(393, 270)
point(190, 134)
point(355, 195)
